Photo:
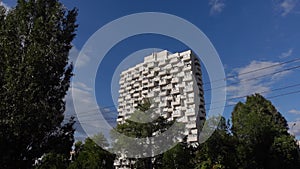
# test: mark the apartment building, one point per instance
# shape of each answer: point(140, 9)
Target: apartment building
point(173, 84)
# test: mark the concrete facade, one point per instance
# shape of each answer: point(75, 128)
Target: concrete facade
point(173, 83)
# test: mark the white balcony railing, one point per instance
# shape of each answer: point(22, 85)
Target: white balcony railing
point(177, 113)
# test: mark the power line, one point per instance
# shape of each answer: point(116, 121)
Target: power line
point(228, 77)
point(89, 115)
point(255, 70)
point(254, 78)
point(271, 97)
point(110, 119)
point(266, 91)
point(221, 107)
point(98, 109)
point(287, 69)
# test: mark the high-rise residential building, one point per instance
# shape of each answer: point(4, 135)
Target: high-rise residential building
point(173, 83)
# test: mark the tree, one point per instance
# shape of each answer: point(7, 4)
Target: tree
point(179, 157)
point(91, 155)
point(35, 39)
point(218, 152)
point(53, 161)
point(132, 128)
point(262, 134)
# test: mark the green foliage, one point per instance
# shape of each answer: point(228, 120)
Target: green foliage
point(179, 157)
point(90, 155)
point(258, 139)
point(53, 161)
point(132, 128)
point(262, 136)
point(219, 150)
point(35, 39)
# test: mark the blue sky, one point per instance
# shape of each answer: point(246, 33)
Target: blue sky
point(248, 35)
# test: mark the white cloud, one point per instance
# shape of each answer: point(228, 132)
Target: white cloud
point(293, 111)
point(217, 6)
point(287, 6)
point(294, 128)
point(83, 92)
point(286, 54)
point(5, 5)
point(87, 110)
point(87, 113)
point(73, 56)
point(245, 81)
point(85, 97)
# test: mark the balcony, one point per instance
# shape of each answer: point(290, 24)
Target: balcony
point(156, 89)
point(156, 69)
point(177, 113)
point(186, 57)
point(174, 60)
point(156, 78)
point(163, 82)
point(135, 85)
point(181, 74)
point(135, 76)
point(140, 78)
point(176, 102)
point(169, 77)
point(189, 89)
point(151, 65)
point(136, 95)
point(192, 138)
point(168, 67)
point(175, 91)
point(150, 75)
point(188, 78)
point(164, 88)
point(190, 112)
point(119, 110)
point(190, 101)
point(162, 63)
point(175, 80)
point(183, 108)
point(122, 81)
point(121, 99)
point(150, 94)
point(119, 120)
point(164, 93)
point(145, 81)
point(163, 104)
point(145, 72)
point(130, 101)
point(162, 72)
point(180, 64)
point(151, 84)
point(169, 98)
point(144, 91)
point(121, 90)
point(186, 68)
point(174, 70)
point(129, 77)
point(168, 87)
point(191, 125)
